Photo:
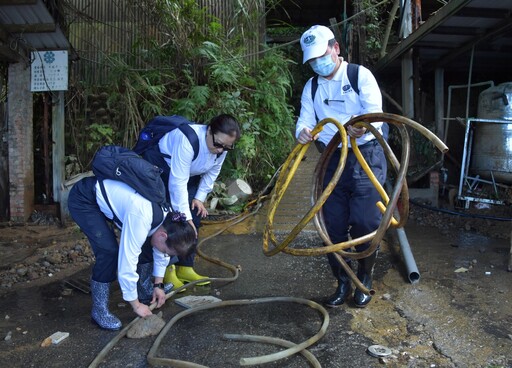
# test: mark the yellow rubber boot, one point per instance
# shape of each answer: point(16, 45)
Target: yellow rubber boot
point(187, 274)
point(170, 277)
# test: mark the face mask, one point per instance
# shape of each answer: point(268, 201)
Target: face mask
point(323, 66)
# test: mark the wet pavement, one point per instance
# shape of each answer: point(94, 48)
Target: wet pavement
point(458, 314)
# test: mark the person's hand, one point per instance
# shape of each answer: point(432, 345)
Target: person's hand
point(305, 136)
point(201, 209)
point(142, 310)
point(355, 132)
point(159, 297)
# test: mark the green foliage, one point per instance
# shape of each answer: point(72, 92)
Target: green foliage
point(256, 94)
point(374, 26)
point(423, 150)
point(99, 134)
point(138, 93)
point(199, 68)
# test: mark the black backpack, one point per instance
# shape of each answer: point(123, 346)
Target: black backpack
point(122, 164)
point(157, 127)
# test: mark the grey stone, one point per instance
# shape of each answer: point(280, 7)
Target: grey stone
point(145, 327)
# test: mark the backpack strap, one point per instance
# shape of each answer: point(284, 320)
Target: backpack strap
point(157, 127)
point(104, 192)
point(191, 136)
point(353, 76)
point(158, 213)
point(314, 87)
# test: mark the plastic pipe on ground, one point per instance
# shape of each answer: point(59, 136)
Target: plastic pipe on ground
point(410, 264)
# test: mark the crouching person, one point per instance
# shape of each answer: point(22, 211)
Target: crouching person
point(145, 249)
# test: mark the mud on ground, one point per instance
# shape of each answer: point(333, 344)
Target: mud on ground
point(458, 315)
point(42, 250)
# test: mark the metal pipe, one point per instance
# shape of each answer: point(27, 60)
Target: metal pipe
point(413, 274)
point(449, 104)
point(410, 264)
point(469, 80)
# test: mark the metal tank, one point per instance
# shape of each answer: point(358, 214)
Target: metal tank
point(492, 148)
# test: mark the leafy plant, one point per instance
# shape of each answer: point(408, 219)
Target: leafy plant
point(99, 134)
point(374, 26)
point(197, 66)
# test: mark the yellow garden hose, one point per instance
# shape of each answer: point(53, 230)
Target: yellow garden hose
point(286, 175)
point(319, 196)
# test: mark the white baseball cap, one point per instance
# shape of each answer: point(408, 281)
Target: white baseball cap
point(314, 42)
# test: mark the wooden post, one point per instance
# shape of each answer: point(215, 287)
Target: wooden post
point(359, 51)
point(58, 148)
point(46, 154)
point(336, 30)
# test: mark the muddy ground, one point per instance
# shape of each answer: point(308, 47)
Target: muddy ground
point(459, 313)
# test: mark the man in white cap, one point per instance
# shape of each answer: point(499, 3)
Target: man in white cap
point(351, 208)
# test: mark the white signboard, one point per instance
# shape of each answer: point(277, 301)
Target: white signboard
point(49, 71)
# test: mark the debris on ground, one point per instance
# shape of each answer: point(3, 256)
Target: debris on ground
point(55, 339)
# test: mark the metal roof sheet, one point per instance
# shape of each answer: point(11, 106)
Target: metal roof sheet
point(27, 26)
point(447, 37)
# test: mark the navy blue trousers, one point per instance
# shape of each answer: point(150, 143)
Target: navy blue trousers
point(351, 208)
point(154, 156)
point(99, 230)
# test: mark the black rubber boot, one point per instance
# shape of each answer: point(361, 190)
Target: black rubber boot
point(341, 293)
point(365, 275)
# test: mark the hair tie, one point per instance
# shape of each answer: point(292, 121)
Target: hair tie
point(177, 216)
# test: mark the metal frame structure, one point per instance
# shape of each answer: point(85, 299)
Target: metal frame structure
point(468, 182)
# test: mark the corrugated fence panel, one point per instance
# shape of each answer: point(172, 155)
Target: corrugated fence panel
point(102, 29)
point(240, 17)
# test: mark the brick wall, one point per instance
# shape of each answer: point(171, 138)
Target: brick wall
point(20, 141)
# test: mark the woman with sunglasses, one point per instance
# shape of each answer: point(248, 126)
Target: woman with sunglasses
point(189, 180)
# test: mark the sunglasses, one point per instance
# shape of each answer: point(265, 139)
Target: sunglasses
point(219, 145)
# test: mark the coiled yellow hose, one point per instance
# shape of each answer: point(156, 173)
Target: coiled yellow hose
point(319, 197)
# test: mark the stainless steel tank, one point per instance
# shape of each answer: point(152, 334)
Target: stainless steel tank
point(492, 142)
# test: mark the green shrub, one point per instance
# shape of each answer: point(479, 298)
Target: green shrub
point(198, 69)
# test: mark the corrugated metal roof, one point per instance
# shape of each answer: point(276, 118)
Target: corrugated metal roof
point(445, 38)
point(26, 26)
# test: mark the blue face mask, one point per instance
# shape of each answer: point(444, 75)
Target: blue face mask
point(323, 66)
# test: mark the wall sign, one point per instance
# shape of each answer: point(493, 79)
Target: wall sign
point(49, 71)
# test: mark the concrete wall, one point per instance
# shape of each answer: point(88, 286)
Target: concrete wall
point(4, 165)
point(20, 141)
